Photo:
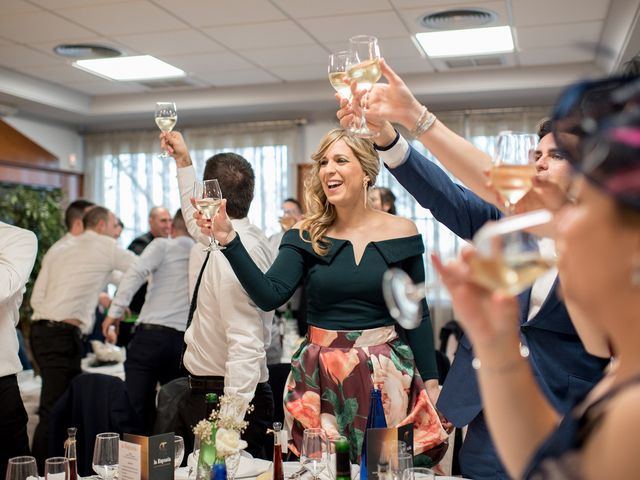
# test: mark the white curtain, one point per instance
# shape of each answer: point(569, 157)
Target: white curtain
point(126, 173)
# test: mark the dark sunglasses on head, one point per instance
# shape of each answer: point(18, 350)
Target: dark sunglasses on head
point(585, 107)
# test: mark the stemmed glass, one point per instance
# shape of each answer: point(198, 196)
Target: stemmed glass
point(56, 468)
point(513, 166)
point(509, 259)
point(314, 455)
point(364, 69)
point(178, 451)
point(22, 468)
point(338, 64)
point(166, 118)
point(105, 455)
point(208, 197)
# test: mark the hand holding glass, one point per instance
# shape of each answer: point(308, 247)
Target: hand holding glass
point(338, 64)
point(364, 69)
point(208, 197)
point(166, 118)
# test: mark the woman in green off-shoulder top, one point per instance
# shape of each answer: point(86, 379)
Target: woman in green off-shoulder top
point(339, 252)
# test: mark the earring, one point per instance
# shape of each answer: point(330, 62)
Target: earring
point(635, 270)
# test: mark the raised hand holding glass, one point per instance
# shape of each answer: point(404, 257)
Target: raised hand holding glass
point(364, 69)
point(166, 118)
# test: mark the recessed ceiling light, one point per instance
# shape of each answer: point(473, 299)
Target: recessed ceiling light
point(123, 69)
point(467, 42)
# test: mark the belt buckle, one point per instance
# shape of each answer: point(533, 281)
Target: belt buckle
point(189, 382)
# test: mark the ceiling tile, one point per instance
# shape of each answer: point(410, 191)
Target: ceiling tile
point(301, 73)
point(118, 19)
point(288, 56)
point(55, 4)
point(558, 55)
point(403, 66)
point(106, 87)
point(61, 74)
point(205, 62)
point(238, 77)
point(546, 12)
point(11, 7)
point(39, 27)
point(330, 29)
point(270, 34)
point(205, 13)
point(14, 56)
point(170, 42)
point(436, 4)
point(411, 15)
point(558, 35)
point(298, 9)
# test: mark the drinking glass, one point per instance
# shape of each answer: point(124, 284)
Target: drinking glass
point(363, 68)
point(178, 451)
point(22, 468)
point(418, 473)
point(338, 64)
point(166, 118)
point(314, 455)
point(56, 468)
point(509, 259)
point(193, 462)
point(208, 197)
point(513, 166)
point(105, 455)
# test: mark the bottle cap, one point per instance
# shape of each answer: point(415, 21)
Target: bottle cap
point(211, 398)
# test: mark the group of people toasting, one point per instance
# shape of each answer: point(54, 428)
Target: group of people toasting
point(545, 381)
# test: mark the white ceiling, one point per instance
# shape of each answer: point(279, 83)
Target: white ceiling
point(263, 59)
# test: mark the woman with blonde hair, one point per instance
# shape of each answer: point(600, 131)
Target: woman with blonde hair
point(341, 249)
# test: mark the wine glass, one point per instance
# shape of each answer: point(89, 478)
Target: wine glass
point(22, 468)
point(418, 473)
point(338, 64)
point(509, 259)
point(364, 69)
point(314, 455)
point(166, 118)
point(56, 468)
point(192, 460)
point(208, 197)
point(513, 166)
point(105, 455)
point(178, 451)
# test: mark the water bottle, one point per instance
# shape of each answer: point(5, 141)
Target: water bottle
point(375, 419)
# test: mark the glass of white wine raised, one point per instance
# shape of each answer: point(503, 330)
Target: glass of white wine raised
point(509, 259)
point(513, 166)
point(208, 197)
point(338, 63)
point(364, 69)
point(166, 118)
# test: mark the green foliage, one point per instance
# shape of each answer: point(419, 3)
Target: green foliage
point(38, 210)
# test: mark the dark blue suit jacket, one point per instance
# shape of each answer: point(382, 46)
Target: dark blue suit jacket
point(561, 364)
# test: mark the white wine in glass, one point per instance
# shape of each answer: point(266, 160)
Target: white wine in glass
point(208, 198)
point(166, 118)
point(513, 166)
point(364, 69)
point(338, 63)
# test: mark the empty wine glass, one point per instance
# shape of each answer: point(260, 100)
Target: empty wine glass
point(178, 451)
point(418, 473)
point(509, 259)
point(208, 197)
point(105, 455)
point(166, 118)
point(338, 64)
point(364, 69)
point(314, 455)
point(56, 468)
point(22, 468)
point(513, 166)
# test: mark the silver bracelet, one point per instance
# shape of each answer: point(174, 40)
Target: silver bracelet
point(425, 121)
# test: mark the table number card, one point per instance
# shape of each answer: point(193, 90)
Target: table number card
point(156, 456)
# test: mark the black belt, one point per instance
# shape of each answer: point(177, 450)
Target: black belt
point(205, 384)
point(54, 324)
point(156, 327)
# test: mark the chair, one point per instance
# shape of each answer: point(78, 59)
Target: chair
point(93, 403)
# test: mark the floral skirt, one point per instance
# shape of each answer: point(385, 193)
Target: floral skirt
point(330, 383)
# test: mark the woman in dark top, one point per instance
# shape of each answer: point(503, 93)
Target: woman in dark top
point(598, 239)
point(341, 250)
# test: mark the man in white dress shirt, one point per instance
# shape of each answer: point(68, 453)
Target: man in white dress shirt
point(64, 299)
point(18, 249)
point(228, 335)
point(154, 352)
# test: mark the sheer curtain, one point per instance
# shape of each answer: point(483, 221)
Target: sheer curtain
point(126, 173)
point(481, 128)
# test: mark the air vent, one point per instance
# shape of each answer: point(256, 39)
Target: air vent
point(484, 61)
point(168, 83)
point(85, 51)
point(457, 18)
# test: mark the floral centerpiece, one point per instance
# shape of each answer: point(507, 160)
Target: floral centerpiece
point(219, 436)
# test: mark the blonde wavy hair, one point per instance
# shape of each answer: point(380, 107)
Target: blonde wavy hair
point(320, 213)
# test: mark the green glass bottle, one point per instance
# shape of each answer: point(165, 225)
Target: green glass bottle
point(207, 455)
point(343, 465)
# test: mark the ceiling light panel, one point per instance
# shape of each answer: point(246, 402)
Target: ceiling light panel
point(124, 69)
point(466, 42)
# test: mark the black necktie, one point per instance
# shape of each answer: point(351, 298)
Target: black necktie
point(194, 304)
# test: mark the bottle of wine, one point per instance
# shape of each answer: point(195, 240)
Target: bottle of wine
point(70, 452)
point(343, 465)
point(219, 470)
point(278, 468)
point(375, 419)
